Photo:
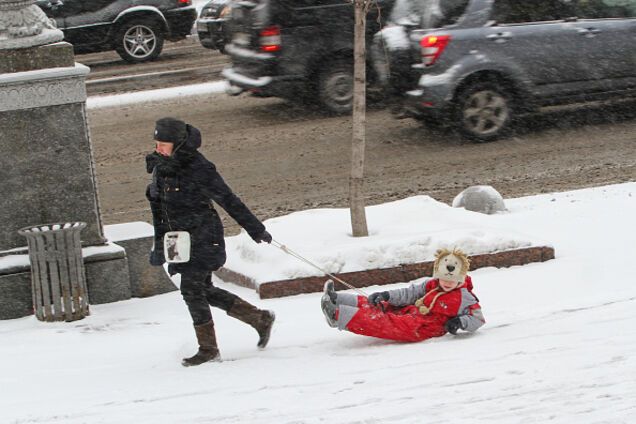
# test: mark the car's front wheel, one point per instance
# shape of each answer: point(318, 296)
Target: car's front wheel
point(139, 41)
point(484, 111)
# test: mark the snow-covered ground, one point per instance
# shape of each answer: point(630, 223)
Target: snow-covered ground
point(559, 346)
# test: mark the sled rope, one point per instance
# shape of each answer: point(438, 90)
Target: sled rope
point(308, 262)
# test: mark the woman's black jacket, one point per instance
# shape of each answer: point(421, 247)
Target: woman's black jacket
point(181, 194)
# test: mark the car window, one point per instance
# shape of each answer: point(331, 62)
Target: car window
point(452, 10)
point(77, 7)
point(516, 12)
point(314, 3)
point(606, 9)
point(427, 13)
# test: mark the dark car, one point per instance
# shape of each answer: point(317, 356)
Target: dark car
point(211, 24)
point(135, 29)
point(505, 57)
point(297, 48)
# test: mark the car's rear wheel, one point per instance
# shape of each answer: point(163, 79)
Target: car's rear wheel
point(139, 40)
point(484, 111)
point(335, 87)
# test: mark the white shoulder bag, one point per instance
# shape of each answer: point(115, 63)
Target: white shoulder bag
point(176, 246)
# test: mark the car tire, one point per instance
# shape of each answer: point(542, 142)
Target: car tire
point(139, 40)
point(335, 87)
point(484, 111)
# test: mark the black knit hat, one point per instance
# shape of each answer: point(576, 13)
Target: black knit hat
point(170, 130)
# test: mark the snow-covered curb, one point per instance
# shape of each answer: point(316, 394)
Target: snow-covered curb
point(117, 100)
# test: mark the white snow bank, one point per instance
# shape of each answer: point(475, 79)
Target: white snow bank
point(22, 261)
point(117, 100)
point(400, 232)
point(128, 231)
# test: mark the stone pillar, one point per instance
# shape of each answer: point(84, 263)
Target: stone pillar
point(46, 165)
point(47, 174)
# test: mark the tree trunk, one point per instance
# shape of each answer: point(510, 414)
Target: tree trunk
point(356, 199)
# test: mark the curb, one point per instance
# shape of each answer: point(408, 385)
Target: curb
point(374, 277)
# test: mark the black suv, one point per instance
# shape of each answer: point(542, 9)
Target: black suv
point(211, 24)
point(135, 29)
point(498, 58)
point(291, 48)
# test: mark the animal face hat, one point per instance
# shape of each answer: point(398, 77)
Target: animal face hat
point(451, 265)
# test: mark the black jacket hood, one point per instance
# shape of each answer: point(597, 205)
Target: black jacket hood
point(193, 139)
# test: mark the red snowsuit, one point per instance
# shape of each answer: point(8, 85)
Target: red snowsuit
point(406, 323)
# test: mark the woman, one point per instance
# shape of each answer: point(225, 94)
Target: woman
point(184, 184)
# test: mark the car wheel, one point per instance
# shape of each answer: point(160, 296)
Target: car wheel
point(139, 41)
point(335, 87)
point(484, 111)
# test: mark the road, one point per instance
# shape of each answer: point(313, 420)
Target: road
point(281, 157)
point(184, 62)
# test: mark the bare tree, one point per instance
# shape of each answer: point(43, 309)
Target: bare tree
point(356, 198)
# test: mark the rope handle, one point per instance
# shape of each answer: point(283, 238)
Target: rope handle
point(308, 262)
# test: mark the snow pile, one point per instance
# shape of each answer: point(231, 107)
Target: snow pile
point(118, 100)
point(128, 231)
point(401, 232)
point(482, 198)
point(559, 346)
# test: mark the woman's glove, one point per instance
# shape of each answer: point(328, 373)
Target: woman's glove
point(263, 237)
point(453, 324)
point(375, 298)
point(157, 257)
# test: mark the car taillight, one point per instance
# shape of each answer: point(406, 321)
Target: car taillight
point(184, 2)
point(270, 39)
point(432, 47)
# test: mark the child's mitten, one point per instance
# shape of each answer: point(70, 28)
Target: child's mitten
point(375, 298)
point(453, 324)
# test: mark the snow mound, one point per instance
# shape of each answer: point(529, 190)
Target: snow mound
point(482, 199)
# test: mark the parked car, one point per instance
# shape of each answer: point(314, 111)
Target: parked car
point(501, 58)
point(211, 24)
point(297, 49)
point(136, 29)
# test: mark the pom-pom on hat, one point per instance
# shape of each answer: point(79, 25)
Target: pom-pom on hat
point(170, 130)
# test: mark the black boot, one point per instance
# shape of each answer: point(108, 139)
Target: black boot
point(208, 351)
point(261, 320)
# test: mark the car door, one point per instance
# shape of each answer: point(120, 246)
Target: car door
point(539, 39)
point(608, 32)
point(88, 22)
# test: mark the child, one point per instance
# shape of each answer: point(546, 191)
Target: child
point(444, 303)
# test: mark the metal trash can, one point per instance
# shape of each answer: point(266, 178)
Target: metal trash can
point(57, 271)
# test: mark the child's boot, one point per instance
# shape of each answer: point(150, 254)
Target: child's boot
point(328, 303)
